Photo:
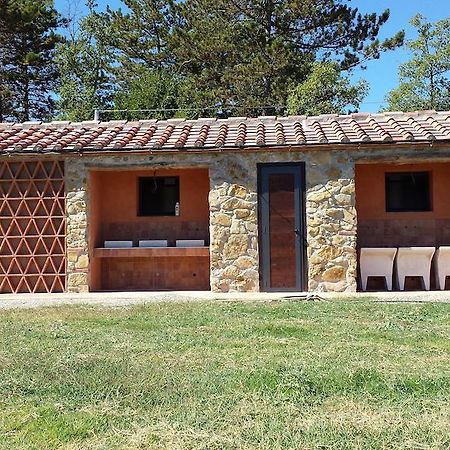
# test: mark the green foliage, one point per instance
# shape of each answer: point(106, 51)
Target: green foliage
point(425, 78)
point(137, 38)
point(246, 54)
point(233, 58)
point(325, 91)
point(202, 57)
point(28, 73)
point(151, 90)
point(85, 83)
point(118, 60)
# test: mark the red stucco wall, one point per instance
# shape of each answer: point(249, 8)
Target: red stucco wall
point(114, 216)
point(376, 227)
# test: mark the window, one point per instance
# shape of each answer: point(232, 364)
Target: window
point(408, 191)
point(158, 196)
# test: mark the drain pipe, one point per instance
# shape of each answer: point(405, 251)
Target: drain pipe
point(96, 115)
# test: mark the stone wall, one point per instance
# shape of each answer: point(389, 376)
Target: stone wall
point(331, 222)
point(233, 226)
point(77, 241)
point(330, 214)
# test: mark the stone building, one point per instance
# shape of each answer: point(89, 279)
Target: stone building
point(280, 203)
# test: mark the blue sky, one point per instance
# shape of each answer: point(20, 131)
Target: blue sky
point(381, 74)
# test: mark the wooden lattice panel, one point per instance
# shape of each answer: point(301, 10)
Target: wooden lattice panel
point(32, 227)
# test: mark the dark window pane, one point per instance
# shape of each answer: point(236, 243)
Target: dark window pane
point(158, 196)
point(407, 191)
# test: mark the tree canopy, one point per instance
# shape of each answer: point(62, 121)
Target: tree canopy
point(248, 53)
point(190, 57)
point(240, 57)
point(85, 66)
point(28, 73)
point(325, 91)
point(425, 78)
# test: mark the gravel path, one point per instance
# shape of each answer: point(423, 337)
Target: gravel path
point(118, 299)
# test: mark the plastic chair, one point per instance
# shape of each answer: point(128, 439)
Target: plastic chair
point(442, 259)
point(377, 262)
point(414, 262)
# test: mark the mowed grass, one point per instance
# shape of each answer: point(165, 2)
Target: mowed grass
point(316, 375)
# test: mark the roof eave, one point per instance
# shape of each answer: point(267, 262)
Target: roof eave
point(253, 148)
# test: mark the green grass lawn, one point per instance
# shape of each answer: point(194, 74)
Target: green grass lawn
point(326, 375)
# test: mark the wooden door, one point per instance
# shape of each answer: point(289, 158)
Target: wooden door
point(281, 227)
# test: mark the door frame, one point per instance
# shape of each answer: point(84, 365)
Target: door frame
point(264, 231)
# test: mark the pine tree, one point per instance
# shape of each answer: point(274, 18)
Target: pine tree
point(118, 59)
point(28, 73)
point(138, 38)
point(86, 82)
point(230, 57)
point(249, 53)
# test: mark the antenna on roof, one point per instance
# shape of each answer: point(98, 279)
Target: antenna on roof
point(97, 115)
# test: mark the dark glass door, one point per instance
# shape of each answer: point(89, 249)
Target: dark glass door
point(281, 219)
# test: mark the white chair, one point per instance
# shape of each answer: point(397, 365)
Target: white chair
point(442, 259)
point(377, 262)
point(414, 262)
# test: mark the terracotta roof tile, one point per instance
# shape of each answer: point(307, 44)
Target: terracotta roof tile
point(401, 129)
point(241, 134)
point(221, 137)
point(279, 133)
point(361, 135)
point(438, 127)
point(235, 133)
point(203, 135)
point(181, 141)
point(343, 138)
point(382, 132)
point(420, 129)
point(165, 136)
point(299, 134)
point(321, 137)
point(260, 134)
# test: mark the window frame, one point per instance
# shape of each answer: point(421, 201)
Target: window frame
point(140, 200)
point(429, 204)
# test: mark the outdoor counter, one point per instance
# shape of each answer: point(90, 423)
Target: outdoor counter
point(150, 252)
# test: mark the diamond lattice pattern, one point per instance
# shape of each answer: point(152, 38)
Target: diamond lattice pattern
point(32, 227)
